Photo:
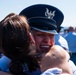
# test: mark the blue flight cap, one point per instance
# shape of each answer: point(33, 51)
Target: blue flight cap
point(43, 17)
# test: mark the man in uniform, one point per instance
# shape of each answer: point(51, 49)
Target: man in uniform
point(44, 21)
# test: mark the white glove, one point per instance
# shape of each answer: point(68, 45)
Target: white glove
point(52, 71)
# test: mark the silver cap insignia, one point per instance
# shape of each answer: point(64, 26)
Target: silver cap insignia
point(49, 14)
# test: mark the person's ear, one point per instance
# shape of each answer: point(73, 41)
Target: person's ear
point(31, 38)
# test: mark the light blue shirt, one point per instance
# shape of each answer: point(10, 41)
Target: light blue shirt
point(71, 39)
point(59, 40)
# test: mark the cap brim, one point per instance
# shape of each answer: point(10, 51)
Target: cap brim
point(46, 31)
point(43, 24)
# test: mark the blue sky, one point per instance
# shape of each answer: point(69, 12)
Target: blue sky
point(68, 7)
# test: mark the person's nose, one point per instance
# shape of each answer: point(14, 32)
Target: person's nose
point(47, 38)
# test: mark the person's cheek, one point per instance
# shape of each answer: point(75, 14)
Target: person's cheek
point(52, 42)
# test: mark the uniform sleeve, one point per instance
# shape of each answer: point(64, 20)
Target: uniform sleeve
point(4, 63)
